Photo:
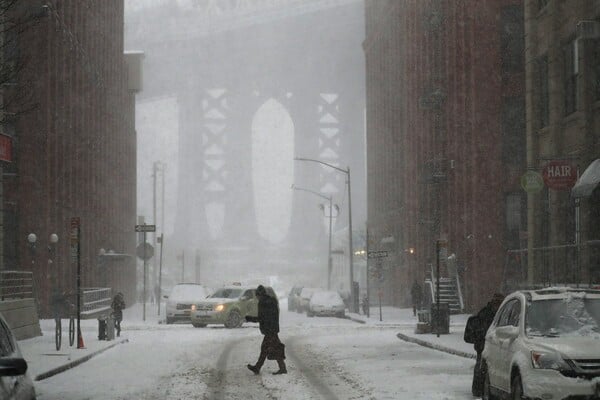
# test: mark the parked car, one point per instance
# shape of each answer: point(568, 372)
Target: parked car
point(293, 297)
point(15, 383)
point(305, 295)
point(544, 344)
point(326, 303)
point(228, 306)
point(181, 299)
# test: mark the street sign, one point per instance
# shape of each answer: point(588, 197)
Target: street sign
point(559, 174)
point(5, 148)
point(145, 251)
point(145, 228)
point(377, 254)
point(532, 181)
point(74, 236)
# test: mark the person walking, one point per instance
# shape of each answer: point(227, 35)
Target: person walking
point(118, 304)
point(416, 293)
point(268, 319)
point(475, 332)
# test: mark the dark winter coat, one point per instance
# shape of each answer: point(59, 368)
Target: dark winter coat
point(416, 293)
point(268, 315)
point(118, 304)
point(484, 319)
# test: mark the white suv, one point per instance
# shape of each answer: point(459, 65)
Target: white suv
point(544, 344)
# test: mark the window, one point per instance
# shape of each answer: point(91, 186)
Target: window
point(571, 72)
point(513, 212)
point(505, 314)
point(596, 69)
point(510, 314)
point(515, 313)
point(513, 130)
point(543, 103)
point(512, 39)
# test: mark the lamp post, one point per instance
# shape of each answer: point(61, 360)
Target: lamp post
point(52, 240)
point(329, 261)
point(350, 252)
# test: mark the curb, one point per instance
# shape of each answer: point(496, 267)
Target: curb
point(74, 363)
point(438, 347)
point(360, 321)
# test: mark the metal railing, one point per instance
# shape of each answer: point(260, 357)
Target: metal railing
point(16, 285)
point(459, 293)
point(569, 264)
point(95, 300)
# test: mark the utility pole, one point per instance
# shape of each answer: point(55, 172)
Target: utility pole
point(155, 167)
point(182, 265)
point(161, 240)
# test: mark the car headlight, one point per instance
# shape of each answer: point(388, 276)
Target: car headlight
point(193, 307)
point(548, 360)
point(220, 307)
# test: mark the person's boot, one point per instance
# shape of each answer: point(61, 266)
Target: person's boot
point(253, 368)
point(282, 368)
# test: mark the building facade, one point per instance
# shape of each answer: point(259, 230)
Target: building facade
point(445, 141)
point(74, 151)
point(563, 125)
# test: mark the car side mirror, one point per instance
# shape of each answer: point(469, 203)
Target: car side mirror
point(12, 366)
point(507, 332)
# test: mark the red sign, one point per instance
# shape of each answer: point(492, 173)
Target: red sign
point(5, 148)
point(559, 175)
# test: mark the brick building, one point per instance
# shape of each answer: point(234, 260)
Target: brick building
point(74, 150)
point(563, 125)
point(445, 139)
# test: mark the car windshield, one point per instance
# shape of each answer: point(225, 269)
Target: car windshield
point(188, 292)
point(225, 293)
point(574, 315)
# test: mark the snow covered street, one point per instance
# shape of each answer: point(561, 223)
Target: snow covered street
point(327, 358)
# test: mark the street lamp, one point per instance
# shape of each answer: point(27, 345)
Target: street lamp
point(329, 261)
point(32, 239)
point(350, 252)
point(52, 240)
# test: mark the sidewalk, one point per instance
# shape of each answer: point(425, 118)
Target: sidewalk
point(44, 361)
point(406, 323)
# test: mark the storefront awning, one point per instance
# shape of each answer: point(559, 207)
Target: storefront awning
point(588, 181)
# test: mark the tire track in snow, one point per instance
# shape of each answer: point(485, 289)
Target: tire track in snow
point(324, 374)
point(217, 382)
point(308, 373)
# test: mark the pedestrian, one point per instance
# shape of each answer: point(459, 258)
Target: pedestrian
point(268, 319)
point(118, 304)
point(475, 331)
point(416, 293)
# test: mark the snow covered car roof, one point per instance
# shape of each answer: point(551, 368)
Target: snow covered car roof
point(560, 292)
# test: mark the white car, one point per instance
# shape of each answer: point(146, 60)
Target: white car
point(15, 382)
point(326, 303)
point(544, 344)
point(181, 299)
point(304, 298)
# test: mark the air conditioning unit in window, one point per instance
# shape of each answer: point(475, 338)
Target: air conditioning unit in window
point(588, 30)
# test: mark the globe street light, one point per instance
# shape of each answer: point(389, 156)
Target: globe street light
point(52, 240)
point(350, 252)
point(329, 261)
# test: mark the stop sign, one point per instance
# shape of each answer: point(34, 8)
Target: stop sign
point(145, 251)
point(559, 175)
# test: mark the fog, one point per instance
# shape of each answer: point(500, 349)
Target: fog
point(233, 92)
